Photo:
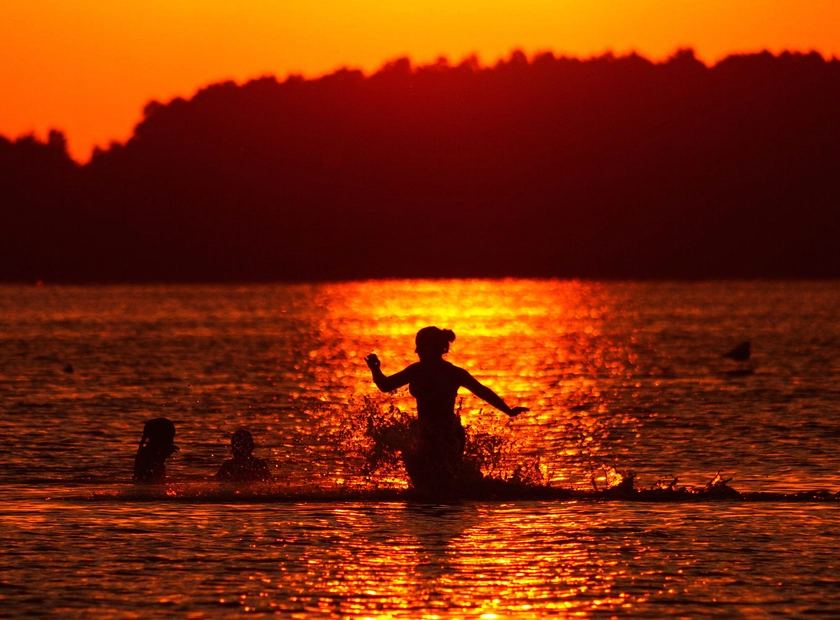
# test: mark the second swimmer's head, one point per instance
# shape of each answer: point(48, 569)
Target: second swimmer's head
point(433, 342)
point(241, 444)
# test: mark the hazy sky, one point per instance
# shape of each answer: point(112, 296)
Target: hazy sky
point(88, 66)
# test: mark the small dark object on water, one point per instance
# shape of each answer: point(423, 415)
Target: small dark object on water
point(69, 369)
point(740, 355)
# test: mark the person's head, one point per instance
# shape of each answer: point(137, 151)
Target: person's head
point(241, 444)
point(159, 432)
point(432, 342)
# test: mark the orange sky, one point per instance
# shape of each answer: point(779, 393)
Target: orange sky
point(89, 66)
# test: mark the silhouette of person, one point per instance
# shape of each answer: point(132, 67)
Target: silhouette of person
point(156, 445)
point(434, 459)
point(243, 467)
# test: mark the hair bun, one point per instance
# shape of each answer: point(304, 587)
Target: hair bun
point(435, 339)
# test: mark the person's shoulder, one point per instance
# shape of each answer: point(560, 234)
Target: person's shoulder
point(461, 374)
point(226, 470)
point(456, 369)
point(411, 369)
point(258, 468)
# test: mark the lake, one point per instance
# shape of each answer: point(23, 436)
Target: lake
point(620, 377)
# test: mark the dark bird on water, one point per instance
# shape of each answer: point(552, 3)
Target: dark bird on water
point(739, 354)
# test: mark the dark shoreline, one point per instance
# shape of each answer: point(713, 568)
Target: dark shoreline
point(612, 168)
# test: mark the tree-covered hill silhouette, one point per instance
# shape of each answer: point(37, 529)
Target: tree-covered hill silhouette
point(611, 167)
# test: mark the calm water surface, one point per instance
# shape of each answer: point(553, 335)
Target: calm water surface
point(619, 377)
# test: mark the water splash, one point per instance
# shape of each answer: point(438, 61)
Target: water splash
point(371, 439)
point(379, 431)
point(488, 489)
point(588, 449)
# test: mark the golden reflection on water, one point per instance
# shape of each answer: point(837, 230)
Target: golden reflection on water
point(402, 560)
point(488, 562)
point(540, 344)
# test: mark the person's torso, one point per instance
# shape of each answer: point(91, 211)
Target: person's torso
point(244, 469)
point(149, 465)
point(435, 386)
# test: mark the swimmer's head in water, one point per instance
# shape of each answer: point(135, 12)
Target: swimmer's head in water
point(242, 444)
point(158, 431)
point(433, 342)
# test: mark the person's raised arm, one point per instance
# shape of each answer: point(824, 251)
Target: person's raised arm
point(384, 383)
point(488, 395)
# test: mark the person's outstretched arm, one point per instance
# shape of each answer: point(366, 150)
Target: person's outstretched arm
point(384, 383)
point(488, 395)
